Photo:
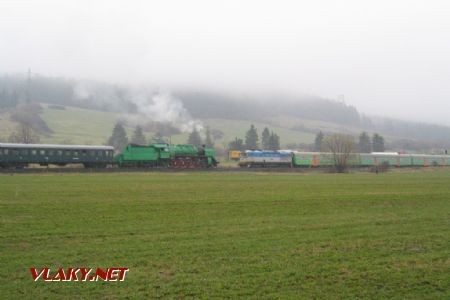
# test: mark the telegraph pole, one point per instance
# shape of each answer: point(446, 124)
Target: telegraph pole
point(28, 96)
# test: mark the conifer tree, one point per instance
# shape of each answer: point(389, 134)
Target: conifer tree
point(378, 143)
point(138, 137)
point(119, 138)
point(365, 145)
point(318, 142)
point(251, 138)
point(195, 138)
point(274, 141)
point(237, 144)
point(265, 138)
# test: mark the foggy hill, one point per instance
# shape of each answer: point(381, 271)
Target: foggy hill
point(16, 89)
point(207, 104)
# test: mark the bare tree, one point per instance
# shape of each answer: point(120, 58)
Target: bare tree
point(24, 134)
point(341, 146)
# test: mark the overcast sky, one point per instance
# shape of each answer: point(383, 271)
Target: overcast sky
point(387, 57)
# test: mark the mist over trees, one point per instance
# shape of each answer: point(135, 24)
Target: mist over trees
point(8, 99)
point(111, 97)
point(17, 91)
point(215, 105)
point(62, 91)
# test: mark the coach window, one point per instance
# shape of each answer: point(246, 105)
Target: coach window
point(83, 152)
point(75, 153)
point(99, 153)
point(6, 151)
point(67, 152)
point(1, 151)
point(51, 152)
point(15, 152)
point(91, 153)
point(42, 152)
point(23, 152)
point(33, 152)
point(59, 152)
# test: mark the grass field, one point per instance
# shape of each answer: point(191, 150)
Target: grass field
point(215, 235)
point(79, 126)
point(84, 126)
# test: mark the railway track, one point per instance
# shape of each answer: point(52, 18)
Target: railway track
point(154, 170)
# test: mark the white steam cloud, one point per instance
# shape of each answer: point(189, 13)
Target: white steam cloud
point(151, 106)
point(165, 108)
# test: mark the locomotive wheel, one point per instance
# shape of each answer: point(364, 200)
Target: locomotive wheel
point(186, 162)
point(175, 163)
point(193, 163)
point(179, 163)
point(182, 163)
point(196, 163)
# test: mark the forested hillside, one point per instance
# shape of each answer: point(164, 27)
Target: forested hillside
point(183, 109)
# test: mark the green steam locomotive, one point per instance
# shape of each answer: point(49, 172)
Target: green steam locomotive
point(165, 155)
point(155, 155)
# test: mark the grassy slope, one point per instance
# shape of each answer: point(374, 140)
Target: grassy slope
point(79, 126)
point(6, 126)
point(233, 128)
point(227, 235)
point(83, 126)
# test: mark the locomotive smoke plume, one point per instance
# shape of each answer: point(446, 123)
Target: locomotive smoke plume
point(156, 107)
point(165, 108)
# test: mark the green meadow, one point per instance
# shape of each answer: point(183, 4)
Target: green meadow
point(83, 126)
point(230, 235)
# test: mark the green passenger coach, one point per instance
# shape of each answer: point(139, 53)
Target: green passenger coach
point(21, 155)
point(374, 159)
